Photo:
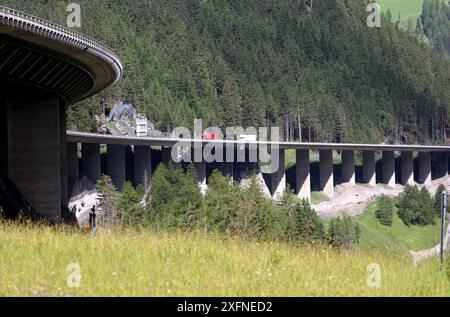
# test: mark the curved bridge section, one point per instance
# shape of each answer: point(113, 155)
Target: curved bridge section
point(44, 68)
point(54, 58)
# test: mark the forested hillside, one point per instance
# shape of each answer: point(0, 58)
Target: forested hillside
point(266, 62)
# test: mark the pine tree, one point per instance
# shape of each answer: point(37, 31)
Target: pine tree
point(437, 199)
point(108, 198)
point(384, 212)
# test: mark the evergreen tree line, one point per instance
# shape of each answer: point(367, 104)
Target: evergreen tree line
point(312, 68)
point(415, 207)
point(176, 203)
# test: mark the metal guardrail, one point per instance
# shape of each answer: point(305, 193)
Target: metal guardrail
point(64, 32)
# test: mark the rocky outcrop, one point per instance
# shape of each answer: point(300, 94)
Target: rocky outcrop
point(84, 197)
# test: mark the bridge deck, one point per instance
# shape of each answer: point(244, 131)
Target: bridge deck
point(82, 137)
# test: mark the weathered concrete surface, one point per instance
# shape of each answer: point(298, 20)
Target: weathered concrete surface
point(35, 154)
point(115, 163)
point(389, 168)
point(348, 166)
point(142, 165)
point(369, 167)
point(424, 176)
point(326, 172)
point(90, 161)
point(303, 175)
point(407, 168)
point(278, 176)
point(72, 164)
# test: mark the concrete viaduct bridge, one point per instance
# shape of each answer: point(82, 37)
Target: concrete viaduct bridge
point(131, 153)
point(45, 67)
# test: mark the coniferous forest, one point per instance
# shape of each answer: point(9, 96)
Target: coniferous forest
point(313, 68)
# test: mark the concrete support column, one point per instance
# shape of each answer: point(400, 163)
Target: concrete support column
point(303, 175)
point(166, 155)
point(389, 168)
point(142, 165)
point(326, 172)
point(200, 171)
point(439, 165)
point(35, 157)
point(278, 176)
point(72, 164)
point(424, 168)
point(369, 167)
point(226, 169)
point(407, 168)
point(3, 140)
point(90, 161)
point(115, 163)
point(348, 166)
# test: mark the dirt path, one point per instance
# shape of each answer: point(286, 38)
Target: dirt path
point(353, 199)
point(419, 256)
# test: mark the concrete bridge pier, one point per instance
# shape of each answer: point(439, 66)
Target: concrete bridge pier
point(36, 150)
point(227, 169)
point(326, 172)
point(369, 167)
point(389, 168)
point(348, 166)
point(303, 175)
point(439, 164)
point(115, 164)
point(72, 164)
point(166, 155)
point(142, 165)
point(278, 175)
point(90, 161)
point(200, 171)
point(407, 168)
point(424, 176)
point(3, 140)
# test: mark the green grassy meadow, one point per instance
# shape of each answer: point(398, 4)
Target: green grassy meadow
point(406, 8)
point(34, 262)
point(397, 239)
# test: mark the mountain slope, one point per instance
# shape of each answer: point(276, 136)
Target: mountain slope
point(266, 63)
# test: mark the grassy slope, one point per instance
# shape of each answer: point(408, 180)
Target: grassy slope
point(406, 8)
point(145, 263)
point(398, 238)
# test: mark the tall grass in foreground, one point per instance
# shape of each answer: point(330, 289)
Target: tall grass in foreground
point(34, 259)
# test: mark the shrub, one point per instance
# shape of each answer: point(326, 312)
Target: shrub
point(220, 204)
point(108, 202)
point(408, 206)
point(131, 210)
point(302, 223)
point(343, 233)
point(437, 200)
point(416, 207)
point(175, 197)
point(384, 211)
point(257, 215)
point(426, 203)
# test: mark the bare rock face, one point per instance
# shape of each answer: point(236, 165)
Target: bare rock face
point(122, 121)
point(84, 197)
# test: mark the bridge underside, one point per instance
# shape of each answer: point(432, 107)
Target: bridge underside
point(33, 146)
